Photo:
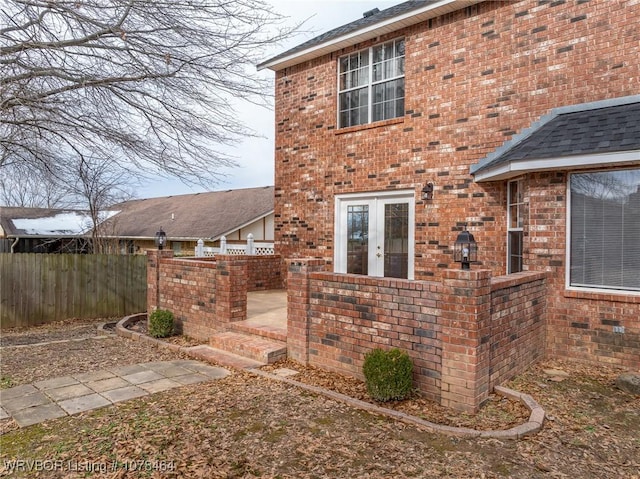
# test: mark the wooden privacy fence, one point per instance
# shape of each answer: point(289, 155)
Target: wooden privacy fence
point(42, 288)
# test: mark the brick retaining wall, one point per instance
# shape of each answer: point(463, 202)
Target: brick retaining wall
point(205, 295)
point(464, 335)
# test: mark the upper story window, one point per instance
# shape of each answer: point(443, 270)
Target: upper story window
point(371, 84)
point(604, 245)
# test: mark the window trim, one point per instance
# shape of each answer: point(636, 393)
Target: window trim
point(369, 85)
point(520, 183)
point(584, 290)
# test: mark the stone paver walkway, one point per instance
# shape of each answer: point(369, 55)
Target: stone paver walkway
point(53, 398)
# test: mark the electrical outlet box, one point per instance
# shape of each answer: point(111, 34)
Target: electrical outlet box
point(618, 329)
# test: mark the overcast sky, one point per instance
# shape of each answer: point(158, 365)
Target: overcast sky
point(255, 156)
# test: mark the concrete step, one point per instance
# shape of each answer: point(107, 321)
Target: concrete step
point(257, 327)
point(253, 347)
point(223, 358)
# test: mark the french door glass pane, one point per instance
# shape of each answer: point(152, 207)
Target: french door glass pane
point(396, 240)
point(358, 239)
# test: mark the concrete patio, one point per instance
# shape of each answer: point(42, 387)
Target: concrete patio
point(53, 398)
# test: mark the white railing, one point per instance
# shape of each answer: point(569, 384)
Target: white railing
point(251, 248)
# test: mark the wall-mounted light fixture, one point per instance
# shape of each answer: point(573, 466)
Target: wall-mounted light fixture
point(427, 191)
point(161, 238)
point(465, 249)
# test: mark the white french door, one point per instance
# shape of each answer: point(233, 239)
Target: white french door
point(374, 234)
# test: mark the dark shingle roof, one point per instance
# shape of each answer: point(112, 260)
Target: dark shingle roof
point(199, 215)
point(355, 26)
point(590, 128)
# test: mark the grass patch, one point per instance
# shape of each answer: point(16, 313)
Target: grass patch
point(6, 382)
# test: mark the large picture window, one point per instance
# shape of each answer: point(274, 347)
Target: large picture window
point(605, 230)
point(371, 84)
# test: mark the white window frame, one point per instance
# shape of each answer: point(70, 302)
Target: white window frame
point(584, 289)
point(369, 85)
point(339, 255)
point(519, 228)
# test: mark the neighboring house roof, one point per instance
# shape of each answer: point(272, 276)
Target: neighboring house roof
point(46, 222)
point(371, 26)
point(190, 217)
point(603, 132)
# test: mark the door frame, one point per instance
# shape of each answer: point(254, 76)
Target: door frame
point(339, 227)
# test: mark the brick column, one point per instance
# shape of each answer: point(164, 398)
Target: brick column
point(298, 296)
point(465, 335)
point(232, 285)
point(154, 267)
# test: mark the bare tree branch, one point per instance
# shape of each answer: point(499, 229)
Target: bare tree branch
point(148, 84)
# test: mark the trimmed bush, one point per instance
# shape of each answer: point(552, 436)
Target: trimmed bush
point(161, 323)
point(388, 374)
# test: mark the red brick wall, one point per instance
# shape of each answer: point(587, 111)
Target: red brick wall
point(579, 325)
point(517, 340)
point(265, 272)
point(206, 294)
point(464, 335)
point(353, 314)
point(188, 289)
point(473, 79)
point(472, 82)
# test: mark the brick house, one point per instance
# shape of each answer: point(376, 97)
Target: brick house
point(519, 119)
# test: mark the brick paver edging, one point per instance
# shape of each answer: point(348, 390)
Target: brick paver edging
point(536, 418)
point(121, 330)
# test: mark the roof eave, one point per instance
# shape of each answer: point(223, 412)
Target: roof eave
point(388, 25)
point(512, 169)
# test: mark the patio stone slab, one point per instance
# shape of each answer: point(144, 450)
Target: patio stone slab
point(68, 392)
point(84, 403)
point(55, 383)
point(194, 378)
point(37, 414)
point(125, 370)
point(159, 385)
point(169, 370)
point(17, 391)
point(24, 402)
point(54, 398)
point(124, 394)
point(108, 384)
point(93, 376)
point(142, 377)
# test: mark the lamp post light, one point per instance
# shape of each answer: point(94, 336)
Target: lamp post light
point(161, 238)
point(465, 249)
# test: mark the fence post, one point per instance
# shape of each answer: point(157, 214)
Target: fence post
point(200, 249)
point(251, 249)
point(223, 245)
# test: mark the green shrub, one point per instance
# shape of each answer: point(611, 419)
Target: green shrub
point(388, 374)
point(161, 323)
